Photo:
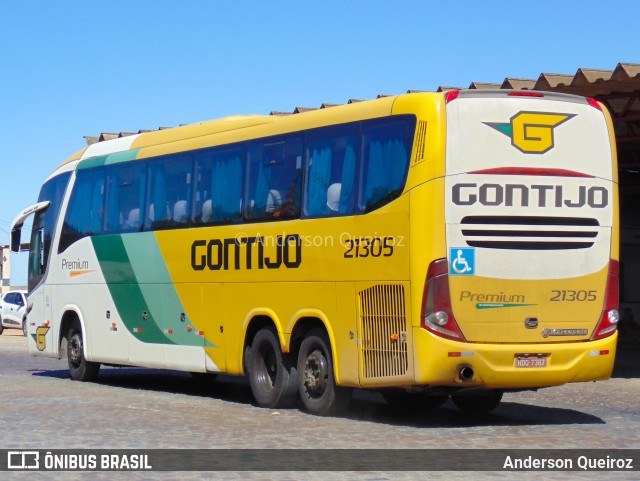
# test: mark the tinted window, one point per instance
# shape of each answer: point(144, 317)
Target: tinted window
point(331, 170)
point(169, 201)
point(125, 197)
point(274, 179)
point(218, 187)
point(386, 153)
point(85, 212)
point(10, 298)
point(44, 225)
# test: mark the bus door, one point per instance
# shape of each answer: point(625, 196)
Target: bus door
point(39, 332)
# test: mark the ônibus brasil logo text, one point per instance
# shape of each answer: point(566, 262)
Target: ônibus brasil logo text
point(531, 132)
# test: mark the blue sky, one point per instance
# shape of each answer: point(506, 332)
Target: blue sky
point(73, 68)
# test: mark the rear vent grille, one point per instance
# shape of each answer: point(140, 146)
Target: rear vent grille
point(421, 139)
point(529, 233)
point(384, 331)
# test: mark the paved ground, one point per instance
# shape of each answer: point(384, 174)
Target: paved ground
point(147, 409)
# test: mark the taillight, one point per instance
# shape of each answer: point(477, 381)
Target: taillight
point(437, 315)
point(608, 322)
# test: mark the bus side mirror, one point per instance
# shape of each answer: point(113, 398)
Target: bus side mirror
point(16, 225)
point(15, 238)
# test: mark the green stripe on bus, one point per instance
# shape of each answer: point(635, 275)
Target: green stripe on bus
point(158, 290)
point(125, 291)
point(115, 158)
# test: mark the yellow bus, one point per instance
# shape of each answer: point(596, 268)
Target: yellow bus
point(426, 245)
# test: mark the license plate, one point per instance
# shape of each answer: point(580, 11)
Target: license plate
point(531, 361)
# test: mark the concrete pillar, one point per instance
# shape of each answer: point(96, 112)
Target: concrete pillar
point(5, 268)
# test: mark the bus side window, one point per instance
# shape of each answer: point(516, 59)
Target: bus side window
point(274, 180)
point(84, 216)
point(387, 149)
point(218, 189)
point(169, 197)
point(331, 170)
point(125, 197)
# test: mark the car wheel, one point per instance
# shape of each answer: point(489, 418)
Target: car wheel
point(24, 327)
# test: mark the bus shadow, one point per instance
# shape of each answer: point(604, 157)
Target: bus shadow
point(507, 414)
point(627, 364)
point(225, 388)
point(365, 406)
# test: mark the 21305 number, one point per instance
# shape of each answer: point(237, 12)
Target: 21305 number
point(573, 296)
point(369, 247)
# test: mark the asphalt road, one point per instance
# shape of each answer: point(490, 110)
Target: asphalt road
point(152, 409)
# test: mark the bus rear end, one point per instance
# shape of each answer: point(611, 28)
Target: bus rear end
point(527, 295)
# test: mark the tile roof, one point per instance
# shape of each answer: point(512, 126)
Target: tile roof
point(602, 84)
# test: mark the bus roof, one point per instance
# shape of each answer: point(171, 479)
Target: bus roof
point(203, 134)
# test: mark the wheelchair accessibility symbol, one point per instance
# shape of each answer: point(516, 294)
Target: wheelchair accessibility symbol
point(462, 261)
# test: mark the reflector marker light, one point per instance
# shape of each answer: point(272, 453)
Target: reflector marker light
point(594, 103)
point(137, 329)
point(451, 96)
point(168, 331)
point(604, 352)
point(461, 354)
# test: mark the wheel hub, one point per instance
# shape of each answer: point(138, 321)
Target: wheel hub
point(316, 372)
point(75, 349)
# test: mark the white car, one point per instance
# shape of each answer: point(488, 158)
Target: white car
point(13, 311)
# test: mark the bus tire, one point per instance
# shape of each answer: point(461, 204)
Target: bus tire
point(79, 368)
point(272, 378)
point(478, 404)
point(317, 386)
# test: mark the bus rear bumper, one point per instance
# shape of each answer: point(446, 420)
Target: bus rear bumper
point(441, 362)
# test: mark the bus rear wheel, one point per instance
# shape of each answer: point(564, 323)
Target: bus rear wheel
point(79, 368)
point(272, 378)
point(479, 403)
point(317, 386)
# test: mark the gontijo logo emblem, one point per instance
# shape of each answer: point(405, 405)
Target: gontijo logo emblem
point(531, 132)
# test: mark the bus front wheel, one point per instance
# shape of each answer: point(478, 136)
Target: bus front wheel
point(272, 378)
point(79, 368)
point(317, 386)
